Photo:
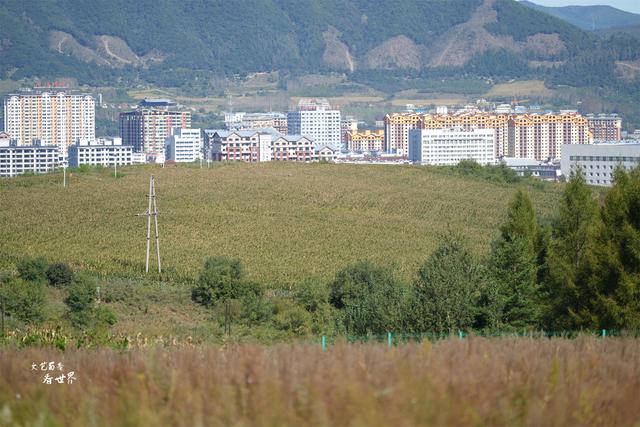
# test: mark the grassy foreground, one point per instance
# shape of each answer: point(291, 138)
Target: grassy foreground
point(558, 382)
point(284, 221)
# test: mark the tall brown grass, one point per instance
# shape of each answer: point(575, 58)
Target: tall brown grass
point(475, 381)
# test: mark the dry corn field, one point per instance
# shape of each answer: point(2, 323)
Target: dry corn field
point(475, 381)
point(285, 222)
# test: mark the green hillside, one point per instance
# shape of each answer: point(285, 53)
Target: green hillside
point(285, 222)
point(170, 42)
point(590, 18)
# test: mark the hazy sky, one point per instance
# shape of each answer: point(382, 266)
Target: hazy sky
point(628, 5)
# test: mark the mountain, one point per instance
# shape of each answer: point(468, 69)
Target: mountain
point(173, 42)
point(590, 18)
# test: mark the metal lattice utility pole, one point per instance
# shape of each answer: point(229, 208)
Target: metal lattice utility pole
point(152, 211)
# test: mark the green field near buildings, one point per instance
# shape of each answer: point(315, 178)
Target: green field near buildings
point(284, 221)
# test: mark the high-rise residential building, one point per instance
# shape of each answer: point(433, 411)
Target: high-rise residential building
point(365, 141)
point(52, 117)
point(599, 161)
point(605, 127)
point(499, 123)
point(148, 129)
point(100, 152)
point(396, 131)
point(534, 136)
point(17, 159)
point(449, 146)
point(184, 145)
point(541, 136)
point(315, 119)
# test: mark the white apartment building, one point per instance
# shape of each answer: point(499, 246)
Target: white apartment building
point(294, 148)
point(56, 118)
point(184, 145)
point(315, 119)
point(250, 146)
point(450, 146)
point(598, 161)
point(100, 152)
point(148, 129)
point(17, 159)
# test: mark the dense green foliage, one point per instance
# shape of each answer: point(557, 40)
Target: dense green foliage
point(23, 300)
point(32, 269)
point(59, 274)
point(369, 299)
point(446, 293)
point(520, 22)
point(287, 35)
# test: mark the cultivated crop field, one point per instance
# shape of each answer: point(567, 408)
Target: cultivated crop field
point(475, 381)
point(284, 221)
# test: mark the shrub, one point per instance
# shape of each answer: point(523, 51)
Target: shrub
point(221, 279)
point(24, 300)
point(59, 274)
point(33, 269)
point(369, 299)
point(79, 301)
point(312, 294)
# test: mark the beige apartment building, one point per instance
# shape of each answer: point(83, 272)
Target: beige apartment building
point(49, 117)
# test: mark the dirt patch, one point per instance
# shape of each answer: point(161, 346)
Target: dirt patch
point(66, 44)
point(109, 50)
point(396, 52)
point(462, 42)
point(336, 53)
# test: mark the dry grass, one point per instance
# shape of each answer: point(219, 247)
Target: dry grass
point(532, 88)
point(284, 221)
point(428, 100)
point(587, 381)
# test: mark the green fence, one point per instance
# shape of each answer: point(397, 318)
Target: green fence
point(395, 338)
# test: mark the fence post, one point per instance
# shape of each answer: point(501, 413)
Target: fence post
point(324, 343)
point(388, 339)
point(604, 333)
point(460, 334)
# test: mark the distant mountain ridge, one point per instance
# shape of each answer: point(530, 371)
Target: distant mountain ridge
point(170, 42)
point(590, 18)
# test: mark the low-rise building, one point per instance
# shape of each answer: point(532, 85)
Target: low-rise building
point(241, 120)
point(599, 161)
point(365, 141)
point(450, 146)
point(295, 148)
point(184, 145)
point(100, 152)
point(19, 159)
point(548, 171)
point(250, 146)
point(327, 152)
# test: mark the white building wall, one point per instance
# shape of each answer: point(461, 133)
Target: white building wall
point(323, 126)
point(450, 146)
point(184, 145)
point(598, 161)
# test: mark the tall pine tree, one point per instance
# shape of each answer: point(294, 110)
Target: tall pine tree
point(513, 267)
point(617, 303)
point(570, 261)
